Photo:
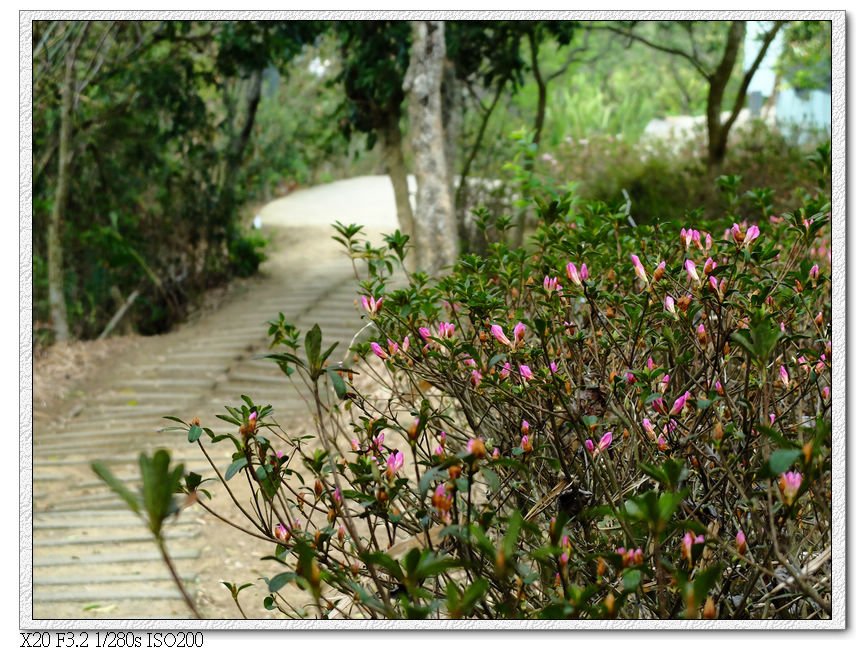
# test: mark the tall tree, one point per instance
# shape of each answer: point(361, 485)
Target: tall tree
point(435, 226)
point(714, 56)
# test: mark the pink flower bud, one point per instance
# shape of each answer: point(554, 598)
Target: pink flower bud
point(496, 453)
point(772, 417)
point(394, 464)
point(814, 273)
point(630, 378)
point(253, 416)
point(392, 347)
point(662, 443)
point(476, 378)
point(664, 383)
point(519, 332)
point(789, 484)
point(709, 266)
point(554, 367)
point(648, 427)
point(680, 402)
point(355, 444)
point(691, 268)
point(825, 392)
point(524, 427)
point(658, 405)
point(405, 344)
point(526, 444)
point(638, 269)
point(741, 543)
point(605, 441)
point(446, 330)
point(573, 274)
point(424, 334)
point(670, 306)
point(650, 363)
point(551, 284)
point(378, 350)
point(752, 234)
point(505, 371)
point(584, 272)
point(785, 377)
point(708, 241)
point(590, 446)
point(526, 372)
point(659, 271)
point(499, 335)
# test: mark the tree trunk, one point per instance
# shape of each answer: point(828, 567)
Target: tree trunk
point(391, 142)
point(718, 80)
point(435, 225)
point(540, 115)
point(56, 294)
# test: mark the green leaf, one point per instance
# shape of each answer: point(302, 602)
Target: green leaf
point(116, 486)
point(195, 432)
point(631, 580)
point(312, 343)
point(278, 581)
point(338, 383)
point(235, 467)
point(472, 595)
point(781, 460)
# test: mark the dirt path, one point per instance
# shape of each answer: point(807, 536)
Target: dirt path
point(94, 559)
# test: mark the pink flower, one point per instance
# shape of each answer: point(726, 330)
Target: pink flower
point(424, 334)
point(789, 484)
point(394, 464)
point(590, 446)
point(519, 332)
point(814, 273)
point(584, 272)
point(378, 441)
point(605, 441)
point(405, 344)
point(476, 378)
point(662, 443)
point(702, 337)
point(337, 495)
point(355, 444)
point(496, 453)
point(670, 306)
point(709, 266)
point(630, 378)
point(658, 405)
point(281, 533)
point(680, 402)
point(659, 271)
point(784, 375)
point(648, 427)
point(378, 350)
point(688, 540)
point(526, 372)
point(551, 284)
point(505, 371)
point(691, 268)
point(573, 274)
point(650, 363)
point(526, 444)
point(664, 383)
point(253, 416)
point(554, 367)
point(752, 234)
point(499, 335)
point(719, 388)
point(772, 418)
point(371, 305)
point(825, 392)
point(638, 269)
point(446, 330)
point(392, 347)
point(741, 543)
point(524, 427)
point(708, 241)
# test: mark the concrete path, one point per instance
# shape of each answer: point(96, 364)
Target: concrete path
point(91, 557)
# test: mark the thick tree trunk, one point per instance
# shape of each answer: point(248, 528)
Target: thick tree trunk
point(391, 143)
point(435, 225)
point(56, 294)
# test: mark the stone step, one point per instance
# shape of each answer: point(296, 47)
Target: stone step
point(91, 579)
point(83, 594)
point(61, 560)
point(83, 538)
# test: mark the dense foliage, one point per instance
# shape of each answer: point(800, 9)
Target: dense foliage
point(626, 420)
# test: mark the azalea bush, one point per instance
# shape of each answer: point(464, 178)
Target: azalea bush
point(617, 421)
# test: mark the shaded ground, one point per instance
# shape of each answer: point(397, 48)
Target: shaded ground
point(105, 401)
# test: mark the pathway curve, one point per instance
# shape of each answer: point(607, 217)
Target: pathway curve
point(91, 557)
